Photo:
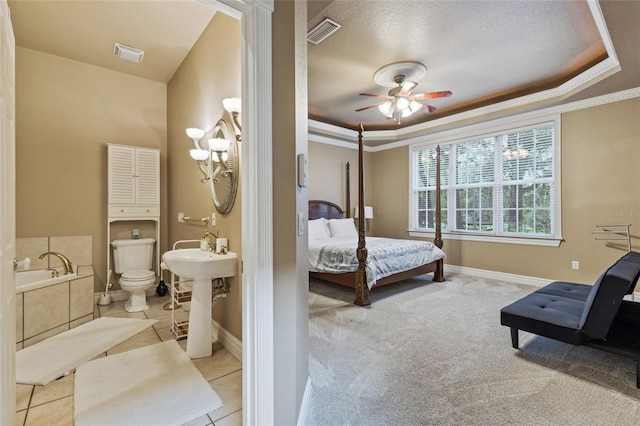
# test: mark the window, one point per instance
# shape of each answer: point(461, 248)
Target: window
point(501, 184)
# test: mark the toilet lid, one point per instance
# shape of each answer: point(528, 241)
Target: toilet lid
point(138, 275)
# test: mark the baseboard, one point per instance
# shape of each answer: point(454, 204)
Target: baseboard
point(303, 418)
point(226, 339)
point(500, 276)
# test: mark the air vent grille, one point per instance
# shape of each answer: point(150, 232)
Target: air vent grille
point(323, 30)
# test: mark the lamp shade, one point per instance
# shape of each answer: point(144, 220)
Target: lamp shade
point(199, 154)
point(232, 105)
point(368, 212)
point(218, 144)
point(195, 133)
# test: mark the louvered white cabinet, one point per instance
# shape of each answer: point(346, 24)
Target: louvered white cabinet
point(133, 190)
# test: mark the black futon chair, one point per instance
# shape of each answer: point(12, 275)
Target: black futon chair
point(581, 314)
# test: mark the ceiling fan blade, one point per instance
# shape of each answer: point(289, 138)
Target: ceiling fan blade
point(432, 95)
point(374, 96)
point(429, 108)
point(407, 87)
point(369, 107)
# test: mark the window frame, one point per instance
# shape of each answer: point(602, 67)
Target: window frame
point(479, 131)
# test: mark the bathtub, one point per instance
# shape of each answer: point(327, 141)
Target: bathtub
point(38, 278)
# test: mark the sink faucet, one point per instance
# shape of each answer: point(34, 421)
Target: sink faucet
point(68, 269)
point(207, 234)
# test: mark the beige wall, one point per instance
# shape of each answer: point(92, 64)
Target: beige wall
point(327, 177)
point(290, 270)
point(209, 73)
point(600, 157)
point(66, 114)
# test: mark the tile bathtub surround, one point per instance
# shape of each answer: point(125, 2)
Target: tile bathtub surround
point(78, 248)
point(50, 310)
point(53, 403)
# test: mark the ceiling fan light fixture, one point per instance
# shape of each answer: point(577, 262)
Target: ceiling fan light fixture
point(386, 109)
point(414, 106)
point(402, 103)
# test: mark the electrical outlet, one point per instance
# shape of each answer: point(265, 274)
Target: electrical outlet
point(575, 265)
point(213, 219)
point(180, 217)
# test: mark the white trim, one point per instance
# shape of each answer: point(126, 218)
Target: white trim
point(499, 276)
point(305, 407)
point(406, 136)
point(258, 404)
point(226, 339)
point(543, 242)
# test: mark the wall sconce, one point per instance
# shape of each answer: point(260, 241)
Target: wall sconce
point(234, 107)
point(200, 155)
point(218, 163)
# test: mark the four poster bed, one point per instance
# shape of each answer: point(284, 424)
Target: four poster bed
point(338, 250)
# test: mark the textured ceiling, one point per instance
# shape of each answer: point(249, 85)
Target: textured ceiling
point(487, 52)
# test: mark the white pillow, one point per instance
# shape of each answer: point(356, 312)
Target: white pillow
point(343, 228)
point(318, 229)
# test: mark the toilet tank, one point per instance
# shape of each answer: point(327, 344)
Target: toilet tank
point(129, 255)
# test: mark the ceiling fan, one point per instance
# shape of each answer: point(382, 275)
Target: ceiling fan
point(401, 101)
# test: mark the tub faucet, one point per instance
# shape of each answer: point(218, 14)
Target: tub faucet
point(68, 269)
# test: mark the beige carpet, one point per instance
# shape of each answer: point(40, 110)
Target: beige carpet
point(154, 385)
point(429, 353)
point(61, 354)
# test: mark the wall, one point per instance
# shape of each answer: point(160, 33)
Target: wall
point(209, 73)
point(600, 153)
point(66, 113)
point(327, 177)
point(290, 276)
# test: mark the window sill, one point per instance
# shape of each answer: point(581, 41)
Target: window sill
point(544, 242)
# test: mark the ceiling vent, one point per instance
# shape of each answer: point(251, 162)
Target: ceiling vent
point(127, 53)
point(323, 30)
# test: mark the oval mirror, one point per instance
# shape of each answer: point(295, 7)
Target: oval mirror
point(224, 170)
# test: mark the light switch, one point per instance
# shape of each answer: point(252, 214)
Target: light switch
point(300, 224)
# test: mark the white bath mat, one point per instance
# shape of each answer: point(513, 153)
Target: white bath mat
point(154, 385)
point(59, 355)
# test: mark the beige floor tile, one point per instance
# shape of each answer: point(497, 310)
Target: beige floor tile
point(200, 421)
point(217, 365)
point(229, 389)
point(56, 413)
point(144, 338)
point(112, 308)
point(233, 419)
point(20, 417)
point(55, 390)
point(23, 395)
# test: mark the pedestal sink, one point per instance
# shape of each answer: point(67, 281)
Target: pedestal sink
point(201, 267)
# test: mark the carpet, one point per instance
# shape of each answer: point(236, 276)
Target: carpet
point(428, 353)
point(59, 355)
point(154, 385)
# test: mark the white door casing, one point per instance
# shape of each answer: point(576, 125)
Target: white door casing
point(7, 219)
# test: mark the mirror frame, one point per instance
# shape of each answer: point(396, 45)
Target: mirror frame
point(224, 186)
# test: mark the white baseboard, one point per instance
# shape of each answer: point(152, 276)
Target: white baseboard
point(304, 407)
point(500, 276)
point(226, 339)
point(512, 278)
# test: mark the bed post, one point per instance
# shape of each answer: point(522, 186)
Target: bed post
point(347, 190)
point(362, 290)
point(438, 275)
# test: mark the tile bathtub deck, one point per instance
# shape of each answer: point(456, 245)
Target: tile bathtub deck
point(52, 405)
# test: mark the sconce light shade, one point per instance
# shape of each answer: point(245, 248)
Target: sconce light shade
point(195, 133)
point(218, 144)
point(368, 212)
point(199, 154)
point(232, 105)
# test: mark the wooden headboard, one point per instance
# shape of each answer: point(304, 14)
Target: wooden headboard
point(326, 209)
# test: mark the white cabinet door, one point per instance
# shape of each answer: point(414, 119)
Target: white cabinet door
point(134, 175)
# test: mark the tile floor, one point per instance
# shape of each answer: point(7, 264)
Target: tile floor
point(52, 405)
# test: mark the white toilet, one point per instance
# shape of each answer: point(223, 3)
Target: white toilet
point(133, 259)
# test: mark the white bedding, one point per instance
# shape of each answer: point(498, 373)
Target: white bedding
point(386, 256)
